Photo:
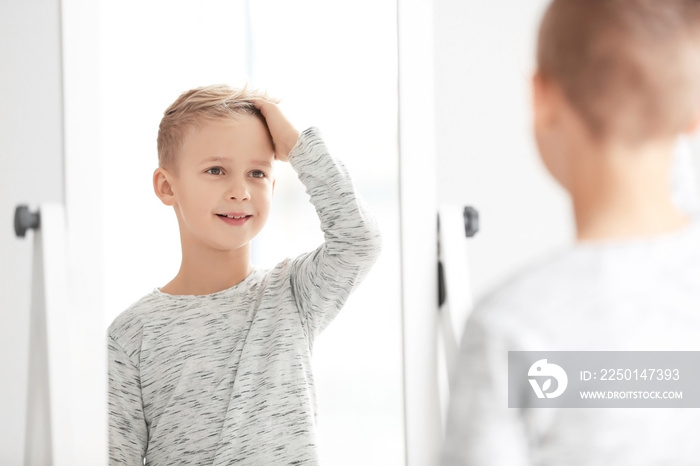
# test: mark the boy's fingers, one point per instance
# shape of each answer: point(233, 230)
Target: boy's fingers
point(262, 104)
point(267, 110)
point(284, 135)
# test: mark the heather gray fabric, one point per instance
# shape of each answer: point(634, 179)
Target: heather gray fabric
point(226, 378)
point(612, 296)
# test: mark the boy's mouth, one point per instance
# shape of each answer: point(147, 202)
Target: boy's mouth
point(234, 216)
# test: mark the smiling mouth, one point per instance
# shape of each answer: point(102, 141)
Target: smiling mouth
point(237, 217)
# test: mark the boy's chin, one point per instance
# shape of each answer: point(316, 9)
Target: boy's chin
point(229, 247)
point(236, 251)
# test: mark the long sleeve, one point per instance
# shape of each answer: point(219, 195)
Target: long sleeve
point(226, 378)
point(128, 434)
point(323, 279)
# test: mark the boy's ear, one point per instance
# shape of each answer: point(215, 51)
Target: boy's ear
point(694, 125)
point(541, 99)
point(163, 187)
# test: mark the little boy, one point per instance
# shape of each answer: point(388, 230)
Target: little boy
point(617, 81)
point(214, 368)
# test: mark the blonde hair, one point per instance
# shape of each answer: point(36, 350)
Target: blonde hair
point(630, 68)
point(200, 105)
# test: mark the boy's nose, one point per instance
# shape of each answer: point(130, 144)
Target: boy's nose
point(239, 192)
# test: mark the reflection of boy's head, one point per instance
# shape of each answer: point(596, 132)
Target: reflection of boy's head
point(629, 68)
point(197, 107)
point(216, 157)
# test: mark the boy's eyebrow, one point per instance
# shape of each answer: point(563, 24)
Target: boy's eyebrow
point(218, 158)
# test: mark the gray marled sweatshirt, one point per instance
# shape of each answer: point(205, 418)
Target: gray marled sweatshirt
point(225, 378)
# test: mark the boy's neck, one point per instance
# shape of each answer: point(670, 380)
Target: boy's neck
point(623, 193)
point(206, 271)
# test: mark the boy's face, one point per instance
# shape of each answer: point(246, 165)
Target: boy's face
point(223, 183)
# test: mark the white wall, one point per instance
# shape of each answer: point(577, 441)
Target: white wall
point(31, 171)
point(486, 155)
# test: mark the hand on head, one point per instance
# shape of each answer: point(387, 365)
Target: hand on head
point(284, 135)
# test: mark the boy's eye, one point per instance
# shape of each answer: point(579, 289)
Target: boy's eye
point(257, 174)
point(215, 171)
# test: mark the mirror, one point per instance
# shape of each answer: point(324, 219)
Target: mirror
point(334, 66)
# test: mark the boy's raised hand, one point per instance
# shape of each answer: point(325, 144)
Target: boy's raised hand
point(284, 135)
